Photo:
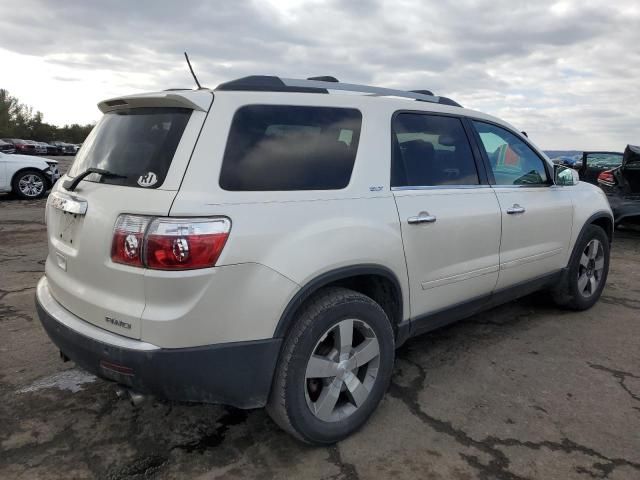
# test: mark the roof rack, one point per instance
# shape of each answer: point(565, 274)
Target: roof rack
point(265, 83)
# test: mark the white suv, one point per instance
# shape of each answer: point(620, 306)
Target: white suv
point(272, 241)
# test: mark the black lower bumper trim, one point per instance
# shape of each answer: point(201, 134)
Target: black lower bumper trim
point(237, 374)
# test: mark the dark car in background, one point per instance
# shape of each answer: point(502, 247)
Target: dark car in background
point(39, 148)
point(622, 185)
point(65, 148)
point(6, 147)
point(51, 149)
point(21, 146)
point(593, 164)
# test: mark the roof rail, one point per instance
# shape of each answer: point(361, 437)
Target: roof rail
point(353, 87)
point(324, 78)
point(264, 83)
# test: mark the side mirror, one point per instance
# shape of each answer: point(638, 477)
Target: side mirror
point(566, 176)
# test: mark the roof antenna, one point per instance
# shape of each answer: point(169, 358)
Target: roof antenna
point(191, 68)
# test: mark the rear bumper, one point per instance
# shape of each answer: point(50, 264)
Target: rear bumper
point(237, 374)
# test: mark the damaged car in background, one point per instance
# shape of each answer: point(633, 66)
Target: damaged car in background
point(27, 177)
point(622, 186)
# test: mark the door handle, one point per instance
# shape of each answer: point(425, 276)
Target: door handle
point(422, 217)
point(515, 209)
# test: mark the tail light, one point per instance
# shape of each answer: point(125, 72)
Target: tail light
point(607, 177)
point(169, 243)
point(128, 239)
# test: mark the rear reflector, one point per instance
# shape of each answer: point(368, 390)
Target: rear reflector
point(169, 243)
point(114, 367)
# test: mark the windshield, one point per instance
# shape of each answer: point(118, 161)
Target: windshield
point(137, 144)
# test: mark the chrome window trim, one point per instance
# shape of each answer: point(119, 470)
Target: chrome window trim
point(538, 185)
point(438, 187)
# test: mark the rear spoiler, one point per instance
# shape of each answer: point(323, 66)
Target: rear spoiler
point(196, 100)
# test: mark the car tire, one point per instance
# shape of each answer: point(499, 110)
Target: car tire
point(29, 184)
point(323, 410)
point(586, 274)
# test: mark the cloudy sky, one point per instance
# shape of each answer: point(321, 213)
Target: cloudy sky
point(568, 71)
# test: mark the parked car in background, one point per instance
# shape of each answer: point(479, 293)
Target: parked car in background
point(278, 251)
point(622, 186)
point(38, 148)
point(51, 149)
point(592, 164)
point(6, 147)
point(21, 146)
point(65, 148)
point(27, 177)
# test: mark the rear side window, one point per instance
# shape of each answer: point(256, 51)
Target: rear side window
point(431, 150)
point(279, 147)
point(135, 144)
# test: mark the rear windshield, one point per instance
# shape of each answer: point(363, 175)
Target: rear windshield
point(135, 144)
point(280, 147)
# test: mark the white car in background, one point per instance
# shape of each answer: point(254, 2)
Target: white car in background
point(26, 176)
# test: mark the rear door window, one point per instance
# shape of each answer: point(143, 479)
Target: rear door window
point(431, 150)
point(281, 147)
point(137, 144)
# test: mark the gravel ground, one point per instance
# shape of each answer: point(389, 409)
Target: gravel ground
point(522, 391)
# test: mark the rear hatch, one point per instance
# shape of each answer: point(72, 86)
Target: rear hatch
point(629, 171)
point(145, 143)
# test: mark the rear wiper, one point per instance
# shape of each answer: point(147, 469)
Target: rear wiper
point(71, 185)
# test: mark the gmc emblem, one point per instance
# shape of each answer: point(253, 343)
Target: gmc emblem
point(118, 323)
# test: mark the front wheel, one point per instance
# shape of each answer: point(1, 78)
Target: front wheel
point(587, 271)
point(335, 367)
point(29, 185)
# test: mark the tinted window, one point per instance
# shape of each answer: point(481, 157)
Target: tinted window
point(431, 150)
point(513, 162)
point(278, 147)
point(137, 144)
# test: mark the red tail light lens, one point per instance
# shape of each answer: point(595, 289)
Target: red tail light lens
point(169, 243)
point(128, 239)
point(607, 177)
point(185, 244)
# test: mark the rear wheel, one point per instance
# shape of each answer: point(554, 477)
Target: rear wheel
point(335, 366)
point(29, 184)
point(587, 271)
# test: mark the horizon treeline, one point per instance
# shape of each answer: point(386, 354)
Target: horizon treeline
point(18, 120)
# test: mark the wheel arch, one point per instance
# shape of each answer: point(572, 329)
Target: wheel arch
point(601, 219)
point(376, 281)
point(30, 169)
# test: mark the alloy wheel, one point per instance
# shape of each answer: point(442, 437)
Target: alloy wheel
point(591, 268)
point(342, 370)
point(31, 185)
